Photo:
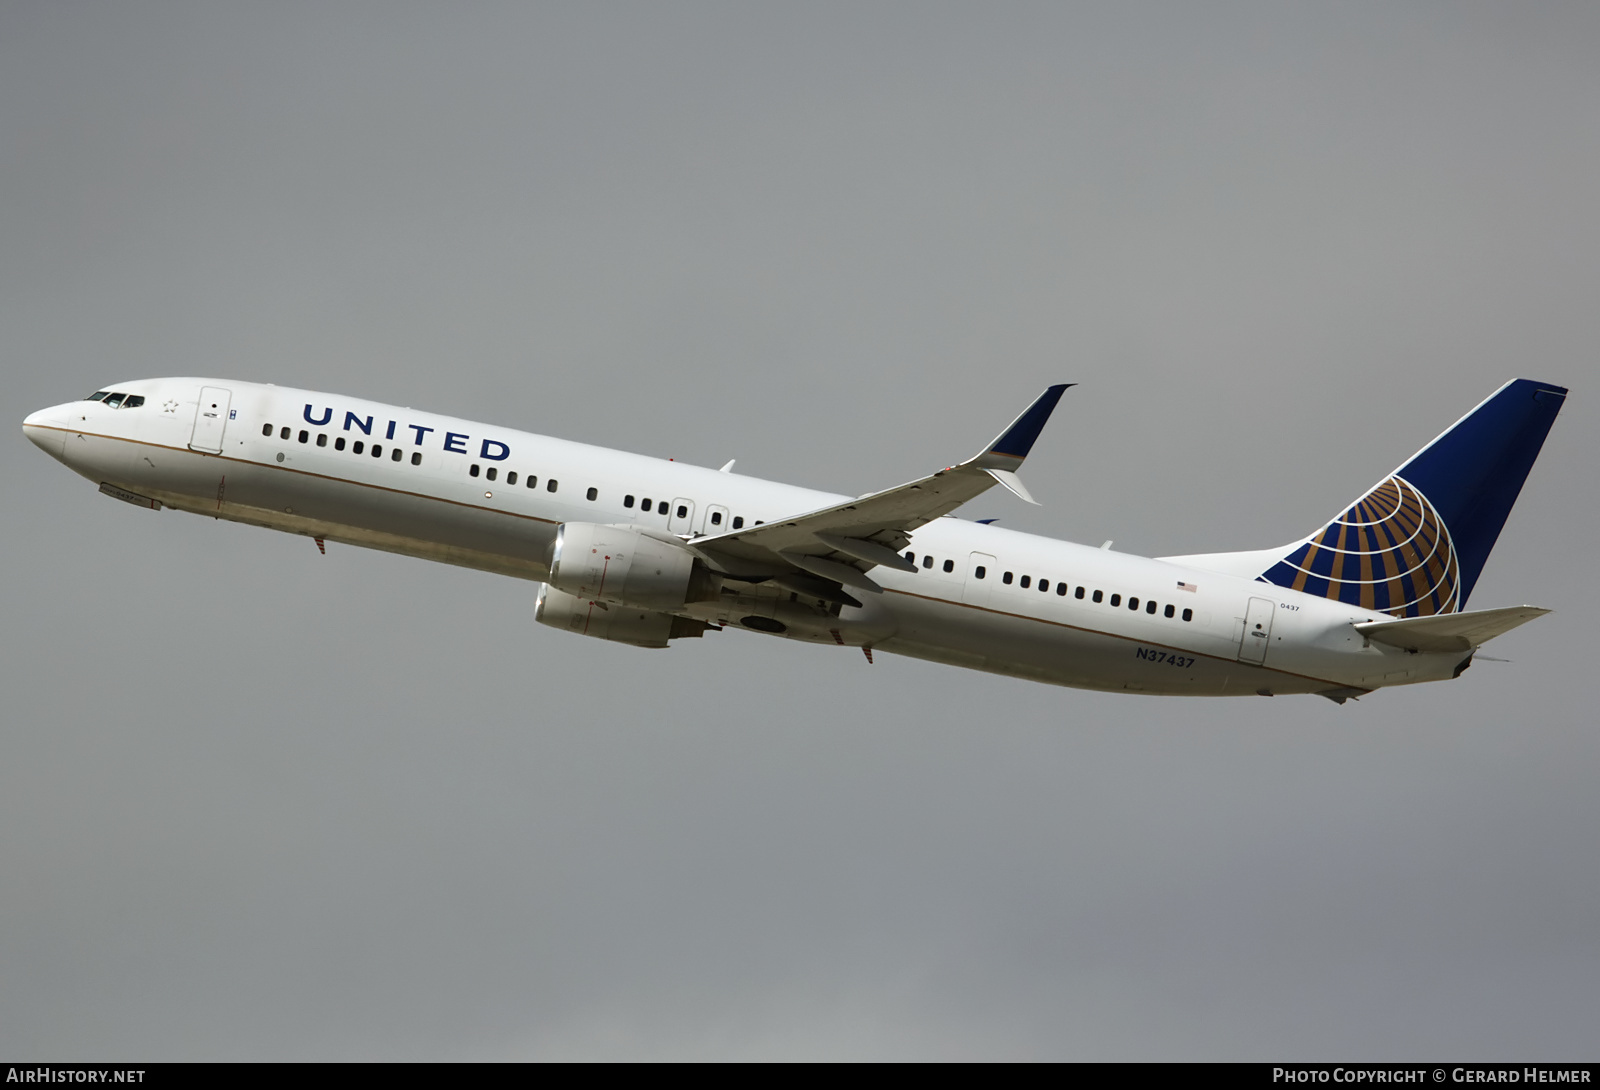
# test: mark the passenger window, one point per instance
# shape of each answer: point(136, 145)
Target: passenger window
point(305, 436)
point(1061, 590)
point(979, 573)
point(645, 505)
point(1099, 596)
point(1150, 607)
point(1044, 585)
point(511, 478)
point(1006, 579)
point(533, 481)
point(738, 522)
point(377, 450)
point(357, 447)
point(1025, 581)
point(284, 434)
point(683, 511)
point(911, 557)
point(551, 484)
point(716, 518)
point(474, 471)
point(338, 444)
point(949, 565)
point(1078, 594)
point(492, 473)
point(661, 508)
point(322, 438)
point(593, 493)
point(927, 561)
point(266, 429)
point(1133, 603)
point(1188, 614)
point(416, 457)
point(397, 455)
point(1116, 599)
point(627, 501)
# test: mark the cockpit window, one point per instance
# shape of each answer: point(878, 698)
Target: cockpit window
point(117, 401)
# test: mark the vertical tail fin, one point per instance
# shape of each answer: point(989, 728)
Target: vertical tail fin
point(1416, 543)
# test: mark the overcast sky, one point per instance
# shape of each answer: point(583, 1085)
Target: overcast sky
point(258, 803)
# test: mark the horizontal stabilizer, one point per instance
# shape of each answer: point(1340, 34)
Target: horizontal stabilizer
point(1449, 631)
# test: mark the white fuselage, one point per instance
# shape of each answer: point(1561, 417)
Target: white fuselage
point(438, 502)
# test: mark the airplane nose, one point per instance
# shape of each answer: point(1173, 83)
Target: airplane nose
point(47, 431)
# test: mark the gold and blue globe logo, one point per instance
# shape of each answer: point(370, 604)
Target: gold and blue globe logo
point(1390, 552)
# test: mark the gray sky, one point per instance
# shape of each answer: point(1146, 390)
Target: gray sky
point(260, 803)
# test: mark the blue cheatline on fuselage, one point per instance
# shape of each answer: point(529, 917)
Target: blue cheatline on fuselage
point(1415, 544)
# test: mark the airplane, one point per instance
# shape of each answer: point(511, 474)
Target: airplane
point(642, 551)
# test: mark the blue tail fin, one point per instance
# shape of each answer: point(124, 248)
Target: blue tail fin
point(1415, 544)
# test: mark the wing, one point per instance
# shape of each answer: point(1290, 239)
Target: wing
point(820, 552)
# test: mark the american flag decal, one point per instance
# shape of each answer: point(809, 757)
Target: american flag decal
point(1190, 587)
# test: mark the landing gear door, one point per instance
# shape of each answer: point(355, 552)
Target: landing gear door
point(1257, 631)
point(210, 420)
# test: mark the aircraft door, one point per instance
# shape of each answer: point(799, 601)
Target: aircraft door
point(981, 578)
point(210, 420)
point(1257, 631)
point(716, 521)
point(681, 518)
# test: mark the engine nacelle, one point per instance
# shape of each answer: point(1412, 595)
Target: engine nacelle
point(619, 564)
point(612, 621)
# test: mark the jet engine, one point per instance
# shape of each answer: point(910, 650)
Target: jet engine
point(612, 621)
point(622, 565)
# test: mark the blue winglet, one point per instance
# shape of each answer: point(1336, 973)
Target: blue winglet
point(1018, 439)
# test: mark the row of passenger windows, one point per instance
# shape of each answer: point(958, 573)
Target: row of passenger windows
point(493, 473)
point(357, 447)
point(116, 400)
point(662, 507)
point(488, 473)
point(1008, 578)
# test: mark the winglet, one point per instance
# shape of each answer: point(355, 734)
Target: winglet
point(1015, 442)
point(1014, 484)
